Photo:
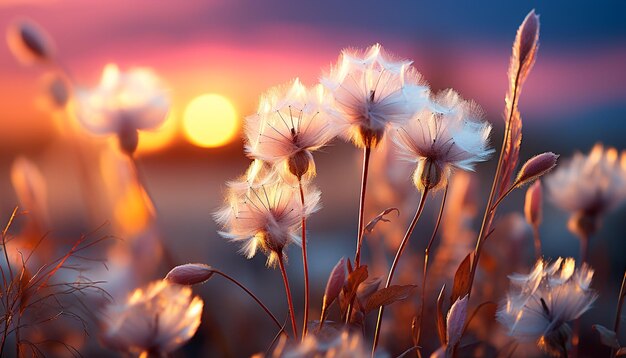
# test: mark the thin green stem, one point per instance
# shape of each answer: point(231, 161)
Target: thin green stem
point(305, 265)
point(292, 312)
point(394, 264)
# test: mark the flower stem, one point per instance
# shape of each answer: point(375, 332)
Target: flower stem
point(392, 270)
point(618, 312)
point(252, 295)
point(359, 238)
point(359, 242)
point(426, 255)
point(292, 313)
point(305, 265)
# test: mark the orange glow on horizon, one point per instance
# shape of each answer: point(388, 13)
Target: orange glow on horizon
point(210, 121)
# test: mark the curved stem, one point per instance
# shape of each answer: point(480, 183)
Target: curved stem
point(426, 255)
point(305, 265)
point(392, 270)
point(618, 312)
point(292, 313)
point(253, 296)
point(359, 243)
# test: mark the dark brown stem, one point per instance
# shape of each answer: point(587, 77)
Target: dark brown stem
point(366, 160)
point(292, 312)
point(537, 240)
point(394, 264)
point(305, 265)
point(253, 296)
point(618, 312)
point(359, 239)
point(426, 255)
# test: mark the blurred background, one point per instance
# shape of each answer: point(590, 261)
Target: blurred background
point(218, 56)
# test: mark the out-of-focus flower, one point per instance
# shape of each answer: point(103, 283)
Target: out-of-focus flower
point(265, 217)
point(533, 204)
point(155, 319)
point(341, 345)
point(589, 186)
point(122, 104)
point(291, 122)
point(539, 305)
point(30, 187)
point(454, 135)
point(29, 42)
point(371, 90)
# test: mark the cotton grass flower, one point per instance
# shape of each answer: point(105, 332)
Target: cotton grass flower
point(371, 89)
point(540, 304)
point(265, 217)
point(452, 136)
point(341, 344)
point(291, 122)
point(156, 319)
point(589, 186)
point(122, 104)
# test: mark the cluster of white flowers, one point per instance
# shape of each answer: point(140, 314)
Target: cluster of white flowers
point(540, 304)
point(366, 94)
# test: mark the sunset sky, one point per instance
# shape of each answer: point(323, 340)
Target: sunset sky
point(239, 48)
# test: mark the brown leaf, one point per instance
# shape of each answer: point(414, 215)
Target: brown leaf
point(462, 279)
point(441, 319)
point(355, 278)
point(336, 282)
point(621, 352)
point(380, 217)
point(522, 60)
point(388, 295)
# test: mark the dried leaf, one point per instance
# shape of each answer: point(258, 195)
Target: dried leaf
point(388, 295)
point(367, 288)
point(190, 274)
point(455, 322)
point(462, 279)
point(522, 60)
point(355, 279)
point(621, 352)
point(336, 282)
point(380, 217)
point(441, 321)
point(607, 336)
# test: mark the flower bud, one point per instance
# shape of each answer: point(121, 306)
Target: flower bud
point(29, 43)
point(370, 137)
point(533, 204)
point(128, 139)
point(190, 274)
point(536, 167)
point(301, 163)
point(428, 175)
point(336, 281)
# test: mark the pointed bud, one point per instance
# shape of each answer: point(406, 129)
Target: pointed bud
point(456, 321)
point(190, 274)
point(533, 204)
point(536, 167)
point(336, 281)
point(29, 42)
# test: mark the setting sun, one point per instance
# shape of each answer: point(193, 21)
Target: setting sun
point(210, 120)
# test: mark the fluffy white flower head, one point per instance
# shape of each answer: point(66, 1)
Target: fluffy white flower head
point(342, 344)
point(291, 122)
point(371, 90)
point(265, 216)
point(158, 319)
point(123, 103)
point(539, 305)
point(451, 135)
point(589, 186)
